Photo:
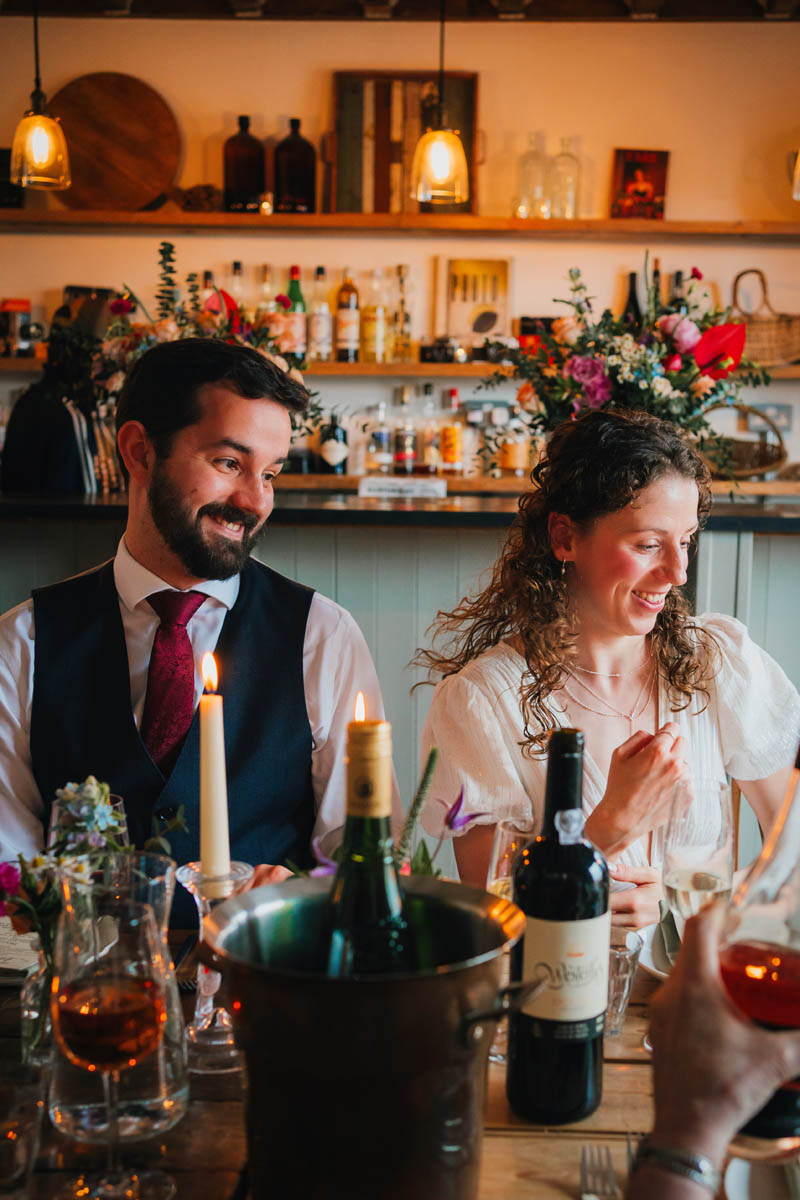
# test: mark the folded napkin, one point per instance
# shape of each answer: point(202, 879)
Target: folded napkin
point(668, 932)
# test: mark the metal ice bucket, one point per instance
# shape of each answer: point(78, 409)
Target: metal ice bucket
point(370, 1087)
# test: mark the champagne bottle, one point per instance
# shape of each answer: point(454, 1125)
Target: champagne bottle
point(333, 447)
point(347, 320)
point(555, 1052)
point(368, 928)
point(244, 170)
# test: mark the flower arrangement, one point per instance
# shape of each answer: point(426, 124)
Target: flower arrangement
point(675, 363)
point(218, 316)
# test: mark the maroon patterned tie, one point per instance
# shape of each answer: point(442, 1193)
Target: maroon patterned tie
point(169, 702)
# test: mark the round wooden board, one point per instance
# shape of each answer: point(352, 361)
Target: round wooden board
point(124, 142)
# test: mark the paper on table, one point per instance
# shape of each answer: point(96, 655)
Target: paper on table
point(17, 953)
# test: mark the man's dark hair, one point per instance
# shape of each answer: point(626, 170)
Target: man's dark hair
point(161, 389)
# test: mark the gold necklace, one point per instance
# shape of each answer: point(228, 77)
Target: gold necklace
point(633, 715)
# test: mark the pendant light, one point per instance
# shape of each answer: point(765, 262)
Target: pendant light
point(439, 173)
point(39, 157)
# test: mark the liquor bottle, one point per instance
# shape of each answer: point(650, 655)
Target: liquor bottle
point(375, 321)
point(401, 332)
point(632, 312)
point(244, 170)
point(295, 173)
point(564, 178)
point(555, 1049)
point(266, 300)
point(347, 320)
point(294, 341)
point(533, 200)
point(760, 967)
point(451, 438)
point(333, 447)
point(319, 320)
point(368, 931)
point(514, 458)
point(236, 284)
point(429, 452)
point(656, 287)
point(677, 299)
point(406, 456)
point(379, 448)
point(207, 290)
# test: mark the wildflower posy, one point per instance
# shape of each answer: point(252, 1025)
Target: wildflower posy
point(676, 363)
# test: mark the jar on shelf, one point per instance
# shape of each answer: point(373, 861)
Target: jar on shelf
point(533, 199)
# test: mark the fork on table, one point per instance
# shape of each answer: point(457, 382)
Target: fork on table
point(598, 1178)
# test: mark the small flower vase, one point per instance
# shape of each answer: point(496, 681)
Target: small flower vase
point(36, 1031)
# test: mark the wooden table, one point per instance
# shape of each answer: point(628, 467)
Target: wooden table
point(205, 1151)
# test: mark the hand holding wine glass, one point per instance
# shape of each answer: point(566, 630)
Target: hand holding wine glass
point(698, 846)
point(108, 1000)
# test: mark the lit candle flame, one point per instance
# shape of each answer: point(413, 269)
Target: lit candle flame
point(208, 669)
point(360, 710)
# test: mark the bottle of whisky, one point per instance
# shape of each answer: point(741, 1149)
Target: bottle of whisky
point(243, 158)
point(348, 326)
point(375, 321)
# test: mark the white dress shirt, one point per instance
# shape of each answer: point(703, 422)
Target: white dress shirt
point(336, 665)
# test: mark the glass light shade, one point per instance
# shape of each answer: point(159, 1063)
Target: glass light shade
point(39, 157)
point(439, 172)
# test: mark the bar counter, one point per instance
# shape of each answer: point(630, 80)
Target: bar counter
point(778, 514)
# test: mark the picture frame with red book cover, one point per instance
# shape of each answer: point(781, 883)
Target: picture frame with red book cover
point(639, 184)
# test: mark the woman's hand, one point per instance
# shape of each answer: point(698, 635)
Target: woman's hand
point(636, 906)
point(641, 779)
point(264, 873)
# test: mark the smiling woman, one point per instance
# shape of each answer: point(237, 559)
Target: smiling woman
point(584, 624)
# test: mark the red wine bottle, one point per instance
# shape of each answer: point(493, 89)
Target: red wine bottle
point(555, 1050)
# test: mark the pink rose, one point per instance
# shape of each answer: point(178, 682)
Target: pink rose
point(686, 335)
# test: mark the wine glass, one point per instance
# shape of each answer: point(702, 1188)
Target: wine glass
point(698, 847)
point(509, 839)
point(108, 1002)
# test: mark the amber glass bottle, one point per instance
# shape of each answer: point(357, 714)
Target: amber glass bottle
point(244, 170)
point(295, 173)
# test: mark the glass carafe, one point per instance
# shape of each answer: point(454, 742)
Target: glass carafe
point(565, 182)
point(760, 967)
point(533, 200)
point(154, 1094)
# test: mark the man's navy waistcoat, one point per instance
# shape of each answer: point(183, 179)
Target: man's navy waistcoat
point(82, 723)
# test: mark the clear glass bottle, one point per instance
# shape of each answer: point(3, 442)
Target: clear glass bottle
point(533, 200)
point(406, 455)
point(514, 457)
point(401, 333)
point(319, 320)
point(236, 284)
point(379, 447)
point(565, 182)
point(266, 299)
point(375, 321)
point(451, 438)
point(295, 173)
point(207, 290)
point(243, 159)
point(760, 967)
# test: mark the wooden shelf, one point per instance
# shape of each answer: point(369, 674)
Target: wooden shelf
point(481, 486)
point(470, 370)
point(61, 220)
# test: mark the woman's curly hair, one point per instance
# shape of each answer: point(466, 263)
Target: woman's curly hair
point(592, 466)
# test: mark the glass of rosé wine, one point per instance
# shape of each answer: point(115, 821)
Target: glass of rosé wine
point(108, 1006)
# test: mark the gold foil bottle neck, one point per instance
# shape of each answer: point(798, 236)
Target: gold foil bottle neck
point(369, 769)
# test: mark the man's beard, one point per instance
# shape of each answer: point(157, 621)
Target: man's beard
point(183, 533)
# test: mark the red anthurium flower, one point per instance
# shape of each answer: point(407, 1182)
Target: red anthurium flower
point(720, 350)
point(673, 363)
point(696, 274)
point(231, 308)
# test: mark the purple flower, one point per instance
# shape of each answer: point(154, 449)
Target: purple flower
point(585, 368)
point(453, 819)
point(326, 866)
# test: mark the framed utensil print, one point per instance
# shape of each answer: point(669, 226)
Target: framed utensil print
point(379, 117)
point(471, 299)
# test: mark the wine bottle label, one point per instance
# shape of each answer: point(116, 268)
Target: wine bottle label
point(572, 958)
point(373, 335)
point(333, 452)
point(347, 328)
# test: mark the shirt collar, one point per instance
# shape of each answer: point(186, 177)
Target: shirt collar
point(135, 583)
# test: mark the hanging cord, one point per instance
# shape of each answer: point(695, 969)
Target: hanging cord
point(37, 95)
point(441, 65)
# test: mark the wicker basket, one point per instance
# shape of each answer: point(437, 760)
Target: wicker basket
point(749, 459)
point(773, 339)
